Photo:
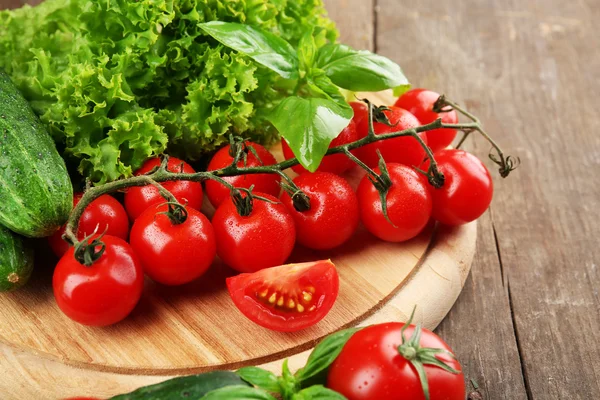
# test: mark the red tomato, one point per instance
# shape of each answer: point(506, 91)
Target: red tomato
point(420, 103)
point(467, 191)
point(103, 293)
point(403, 150)
point(264, 183)
point(104, 213)
point(333, 214)
point(408, 205)
point(287, 298)
point(337, 163)
point(138, 199)
point(370, 367)
point(361, 118)
point(173, 254)
point(263, 239)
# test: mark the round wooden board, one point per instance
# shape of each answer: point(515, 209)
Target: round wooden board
point(196, 328)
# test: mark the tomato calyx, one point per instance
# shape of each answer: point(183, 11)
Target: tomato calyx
point(87, 253)
point(239, 149)
point(176, 212)
point(300, 200)
point(243, 199)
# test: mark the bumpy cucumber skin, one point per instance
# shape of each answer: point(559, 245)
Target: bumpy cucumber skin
point(185, 387)
point(36, 194)
point(16, 260)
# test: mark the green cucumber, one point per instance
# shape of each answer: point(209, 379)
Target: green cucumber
point(185, 387)
point(36, 195)
point(16, 260)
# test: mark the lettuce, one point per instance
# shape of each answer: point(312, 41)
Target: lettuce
point(119, 81)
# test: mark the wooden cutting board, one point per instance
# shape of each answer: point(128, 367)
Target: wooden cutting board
point(196, 328)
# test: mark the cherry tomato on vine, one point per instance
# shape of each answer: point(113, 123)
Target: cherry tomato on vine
point(333, 214)
point(371, 367)
point(408, 204)
point(264, 183)
point(403, 150)
point(104, 213)
point(264, 238)
point(103, 293)
point(361, 118)
point(420, 102)
point(138, 199)
point(336, 163)
point(173, 253)
point(286, 298)
point(467, 191)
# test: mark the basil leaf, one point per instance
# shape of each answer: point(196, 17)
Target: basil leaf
point(259, 377)
point(318, 392)
point(359, 70)
point(237, 393)
point(325, 353)
point(263, 47)
point(309, 125)
point(307, 50)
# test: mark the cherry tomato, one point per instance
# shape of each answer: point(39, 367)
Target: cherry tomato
point(104, 213)
point(264, 183)
point(103, 293)
point(370, 367)
point(403, 150)
point(408, 205)
point(467, 191)
point(420, 103)
point(173, 254)
point(138, 199)
point(265, 238)
point(333, 214)
point(287, 298)
point(361, 118)
point(337, 163)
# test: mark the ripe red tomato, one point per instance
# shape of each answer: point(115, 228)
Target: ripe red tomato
point(103, 293)
point(287, 298)
point(370, 367)
point(333, 214)
point(103, 213)
point(408, 205)
point(264, 183)
point(265, 238)
point(467, 191)
point(337, 163)
point(403, 150)
point(173, 254)
point(138, 199)
point(361, 118)
point(420, 103)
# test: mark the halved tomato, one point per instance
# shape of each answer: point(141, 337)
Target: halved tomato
point(286, 298)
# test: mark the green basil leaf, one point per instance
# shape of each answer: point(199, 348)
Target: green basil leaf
point(307, 50)
point(325, 353)
point(359, 70)
point(237, 393)
point(309, 125)
point(318, 392)
point(259, 377)
point(263, 47)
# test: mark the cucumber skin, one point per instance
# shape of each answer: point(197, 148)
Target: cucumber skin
point(36, 194)
point(16, 260)
point(185, 387)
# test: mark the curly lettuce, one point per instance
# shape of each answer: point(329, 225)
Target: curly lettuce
point(119, 81)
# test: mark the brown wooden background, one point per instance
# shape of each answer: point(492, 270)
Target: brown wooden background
point(527, 325)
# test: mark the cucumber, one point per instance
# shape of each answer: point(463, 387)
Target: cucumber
point(36, 195)
point(185, 387)
point(16, 260)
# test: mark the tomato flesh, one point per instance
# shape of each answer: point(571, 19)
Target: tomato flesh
point(287, 298)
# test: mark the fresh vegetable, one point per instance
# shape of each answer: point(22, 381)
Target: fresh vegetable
point(35, 191)
point(468, 189)
point(175, 244)
point(138, 199)
point(253, 234)
point(287, 298)
point(326, 215)
point(408, 203)
point(420, 103)
point(99, 281)
point(105, 214)
point(361, 118)
point(16, 260)
point(250, 155)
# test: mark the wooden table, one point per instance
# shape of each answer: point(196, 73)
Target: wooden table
point(527, 325)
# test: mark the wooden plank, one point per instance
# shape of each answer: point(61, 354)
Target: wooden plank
point(355, 20)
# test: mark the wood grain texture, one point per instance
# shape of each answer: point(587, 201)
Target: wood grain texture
point(355, 20)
